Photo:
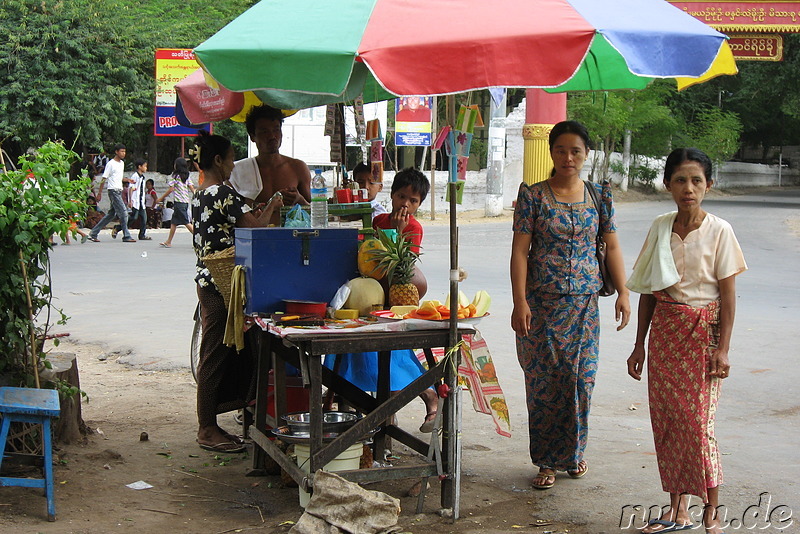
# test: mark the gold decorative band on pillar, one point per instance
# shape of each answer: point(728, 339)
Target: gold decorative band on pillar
point(536, 161)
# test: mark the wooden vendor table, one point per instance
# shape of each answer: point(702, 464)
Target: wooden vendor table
point(306, 352)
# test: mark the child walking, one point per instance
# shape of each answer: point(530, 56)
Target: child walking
point(183, 189)
point(136, 201)
point(151, 205)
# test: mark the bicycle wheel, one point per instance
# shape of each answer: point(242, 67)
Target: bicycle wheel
point(194, 351)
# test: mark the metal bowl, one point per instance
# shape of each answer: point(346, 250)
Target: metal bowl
point(300, 422)
point(287, 436)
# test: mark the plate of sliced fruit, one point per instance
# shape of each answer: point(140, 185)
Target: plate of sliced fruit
point(433, 310)
point(389, 316)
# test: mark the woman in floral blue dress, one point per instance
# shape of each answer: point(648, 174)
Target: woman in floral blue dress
point(223, 377)
point(555, 279)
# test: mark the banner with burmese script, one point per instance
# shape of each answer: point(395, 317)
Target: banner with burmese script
point(754, 28)
point(172, 66)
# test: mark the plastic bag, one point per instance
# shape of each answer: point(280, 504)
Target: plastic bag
point(297, 218)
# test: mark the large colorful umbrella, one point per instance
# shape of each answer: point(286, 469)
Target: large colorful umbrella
point(301, 53)
point(200, 100)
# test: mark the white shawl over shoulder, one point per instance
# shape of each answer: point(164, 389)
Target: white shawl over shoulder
point(655, 268)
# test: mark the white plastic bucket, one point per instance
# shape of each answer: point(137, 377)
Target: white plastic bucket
point(349, 459)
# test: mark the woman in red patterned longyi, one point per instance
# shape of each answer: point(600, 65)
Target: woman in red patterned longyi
point(686, 276)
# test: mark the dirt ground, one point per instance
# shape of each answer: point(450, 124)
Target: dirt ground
point(195, 491)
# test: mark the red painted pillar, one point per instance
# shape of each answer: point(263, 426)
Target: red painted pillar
point(542, 111)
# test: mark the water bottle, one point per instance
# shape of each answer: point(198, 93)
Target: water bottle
point(319, 201)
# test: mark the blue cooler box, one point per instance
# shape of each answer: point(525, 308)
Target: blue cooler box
point(294, 264)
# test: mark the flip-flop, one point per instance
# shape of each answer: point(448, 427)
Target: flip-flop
point(545, 477)
point(669, 526)
point(234, 438)
point(226, 447)
point(578, 473)
point(427, 426)
point(164, 245)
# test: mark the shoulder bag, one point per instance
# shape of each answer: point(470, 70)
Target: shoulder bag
point(608, 285)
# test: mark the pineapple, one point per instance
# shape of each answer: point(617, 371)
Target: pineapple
point(398, 261)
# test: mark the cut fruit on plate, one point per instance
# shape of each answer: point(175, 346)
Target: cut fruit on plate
point(388, 316)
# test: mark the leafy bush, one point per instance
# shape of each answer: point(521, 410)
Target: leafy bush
point(644, 174)
point(36, 201)
point(639, 172)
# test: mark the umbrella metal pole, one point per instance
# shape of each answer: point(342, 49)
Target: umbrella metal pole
point(434, 130)
point(450, 492)
point(343, 144)
point(449, 441)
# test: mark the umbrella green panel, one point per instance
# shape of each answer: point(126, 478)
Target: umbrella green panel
point(602, 69)
point(361, 81)
point(264, 43)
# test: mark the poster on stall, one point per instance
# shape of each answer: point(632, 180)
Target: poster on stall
point(412, 126)
point(172, 66)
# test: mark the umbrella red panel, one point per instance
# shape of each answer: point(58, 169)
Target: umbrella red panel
point(501, 43)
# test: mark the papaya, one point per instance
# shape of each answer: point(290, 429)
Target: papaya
point(368, 261)
point(427, 314)
point(427, 311)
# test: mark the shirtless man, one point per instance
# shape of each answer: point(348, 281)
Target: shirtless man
point(258, 178)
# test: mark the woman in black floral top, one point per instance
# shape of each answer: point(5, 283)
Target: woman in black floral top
point(223, 375)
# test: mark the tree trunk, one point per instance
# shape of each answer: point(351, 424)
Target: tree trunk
point(626, 161)
point(152, 152)
point(69, 428)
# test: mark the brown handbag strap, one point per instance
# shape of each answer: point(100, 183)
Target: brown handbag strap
point(596, 199)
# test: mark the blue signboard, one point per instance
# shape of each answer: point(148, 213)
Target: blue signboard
point(166, 123)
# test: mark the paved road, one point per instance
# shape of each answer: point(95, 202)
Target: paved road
point(117, 295)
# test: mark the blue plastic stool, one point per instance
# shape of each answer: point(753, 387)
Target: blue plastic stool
point(30, 405)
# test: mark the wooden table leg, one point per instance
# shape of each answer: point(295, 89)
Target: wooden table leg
point(314, 368)
point(263, 351)
point(382, 443)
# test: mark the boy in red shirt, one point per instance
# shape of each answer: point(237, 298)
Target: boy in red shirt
point(409, 188)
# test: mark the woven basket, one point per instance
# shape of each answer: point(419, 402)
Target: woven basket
point(220, 265)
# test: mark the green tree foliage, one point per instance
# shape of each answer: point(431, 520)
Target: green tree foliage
point(608, 115)
point(36, 201)
point(659, 120)
point(716, 133)
point(84, 68)
point(63, 71)
point(764, 95)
